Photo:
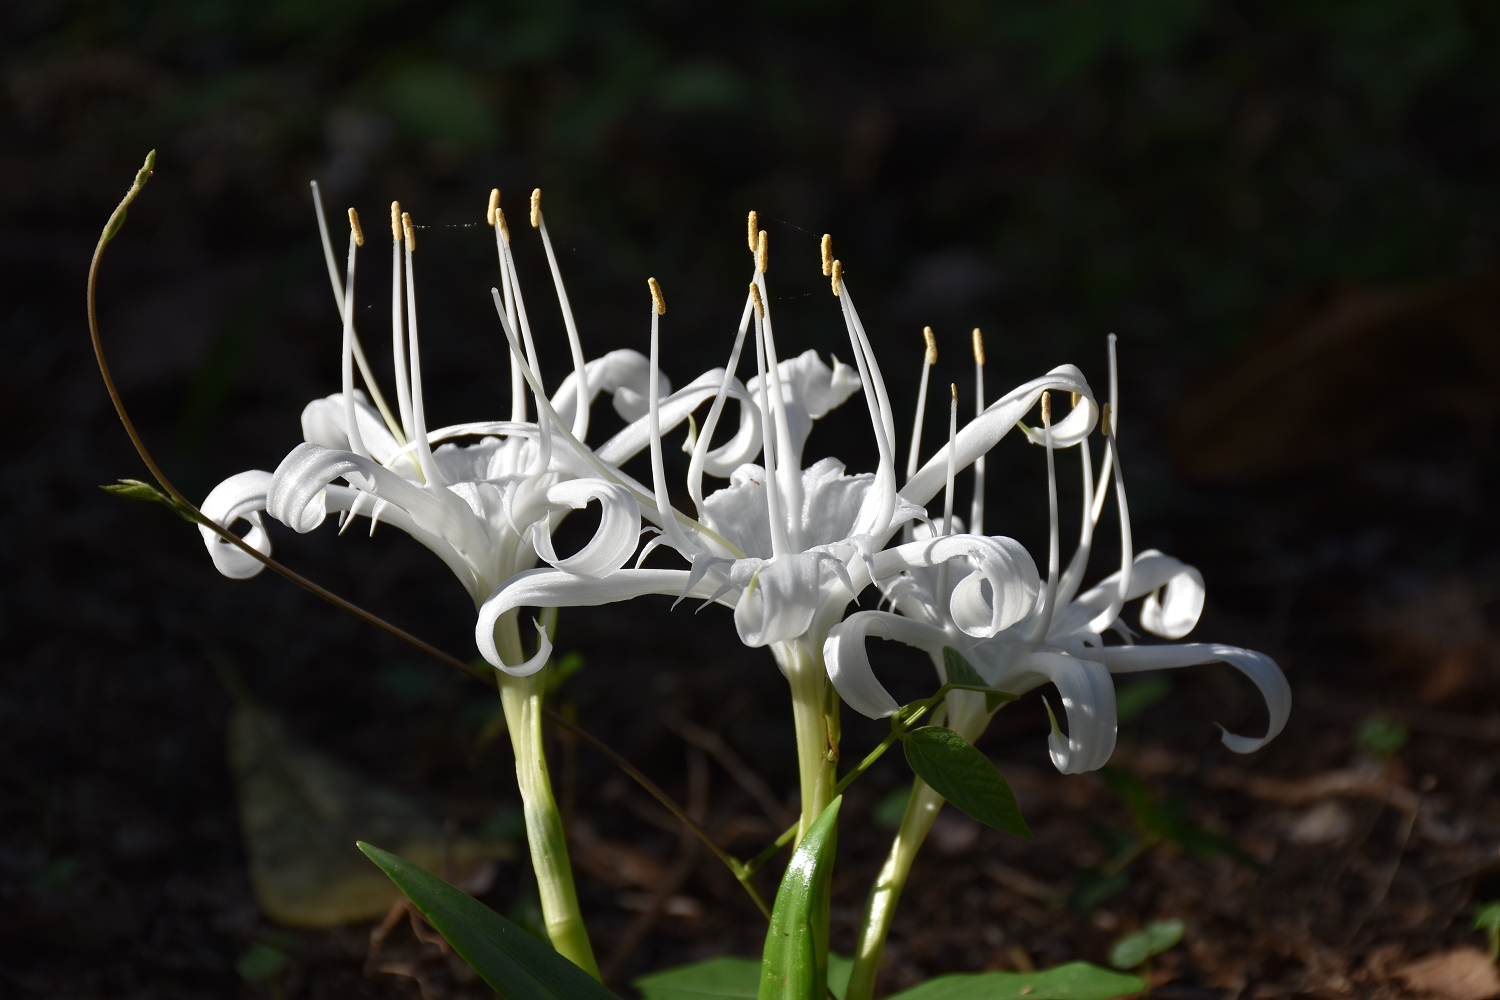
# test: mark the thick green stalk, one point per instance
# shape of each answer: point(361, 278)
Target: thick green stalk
point(967, 716)
point(815, 722)
point(521, 697)
point(921, 809)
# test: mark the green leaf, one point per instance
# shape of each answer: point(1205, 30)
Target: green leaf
point(1487, 916)
point(889, 811)
point(965, 777)
point(720, 978)
point(564, 668)
point(134, 489)
point(962, 673)
point(1153, 939)
point(794, 963)
point(1090, 888)
point(1074, 981)
point(516, 965)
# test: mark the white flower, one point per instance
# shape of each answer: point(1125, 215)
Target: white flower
point(1062, 646)
point(487, 509)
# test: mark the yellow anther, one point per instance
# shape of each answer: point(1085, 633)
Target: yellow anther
point(931, 357)
point(1104, 420)
point(752, 226)
point(978, 347)
point(396, 221)
point(953, 388)
point(760, 307)
point(489, 213)
point(409, 230)
point(504, 226)
point(1073, 400)
point(837, 276)
point(827, 248)
point(656, 297)
point(1046, 409)
point(536, 208)
point(762, 252)
point(359, 234)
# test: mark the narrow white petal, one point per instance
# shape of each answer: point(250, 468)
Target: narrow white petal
point(1088, 696)
point(1260, 668)
point(239, 496)
point(619, 525)
point(849, 664)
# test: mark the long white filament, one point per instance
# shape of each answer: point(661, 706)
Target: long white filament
point(769, 445)
point(581, 418)
point(351, 423)
point(916, 424)
point(789, 474)
point(1106, 617)
point(976, 507)
point(669, 526)
point(942, 589)
point(339, 299)
point(711, 423)
point(1054, 555)
point(398, 336)
point(517, 379)
point(418, 410)
point(869, 376)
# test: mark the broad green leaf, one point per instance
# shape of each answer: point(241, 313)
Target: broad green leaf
point(965, 777)
point(1074, 981)
point(962, 673)
point(720, 978)
point(516, 965)
point(1153, 939)
point(794, 963)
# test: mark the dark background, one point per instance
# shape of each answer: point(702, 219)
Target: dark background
point(1220, 184)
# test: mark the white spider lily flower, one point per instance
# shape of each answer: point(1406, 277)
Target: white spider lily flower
point(486, 509)
point(1064, 647)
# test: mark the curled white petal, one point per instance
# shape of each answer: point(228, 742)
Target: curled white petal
point(1173, 609)
point(551, 588)
point(675, 409)
point(985, 431)
point(324, 423)
point(1260, 668)
point(536, 662)
point(1088, 696)
point(613, 542)
point(239, 496)
point(1172, 618)
point(849, 664)
point(1001, 565)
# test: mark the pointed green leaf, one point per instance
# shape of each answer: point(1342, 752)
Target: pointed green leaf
point(134, 489)
point(1074, 981)
point(793, 965)
point(962, 673)
point(965, 777)
point(516, 965)
point(1153, 939)
point(728, 977)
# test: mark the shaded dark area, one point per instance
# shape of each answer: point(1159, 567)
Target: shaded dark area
point(1288, 213)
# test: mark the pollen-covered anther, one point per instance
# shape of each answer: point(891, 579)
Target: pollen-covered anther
point(504, 226)
point(410, 231)
point(931, 356)
point(536, 208)
point(396, 221)
point(760, 307)
point(1046, 409)
point(836, 274)
point(656, 297)
point(359, 234)
point(826, 246)
point(978, 347)
point(1104, 420)
point(762, 252)
point(494, 206)
point(953, 389)
point(752, 226)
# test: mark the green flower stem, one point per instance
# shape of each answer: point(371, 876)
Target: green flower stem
point(815, 721)
point(921, 809)
point(521, 697)
point(966, 715)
